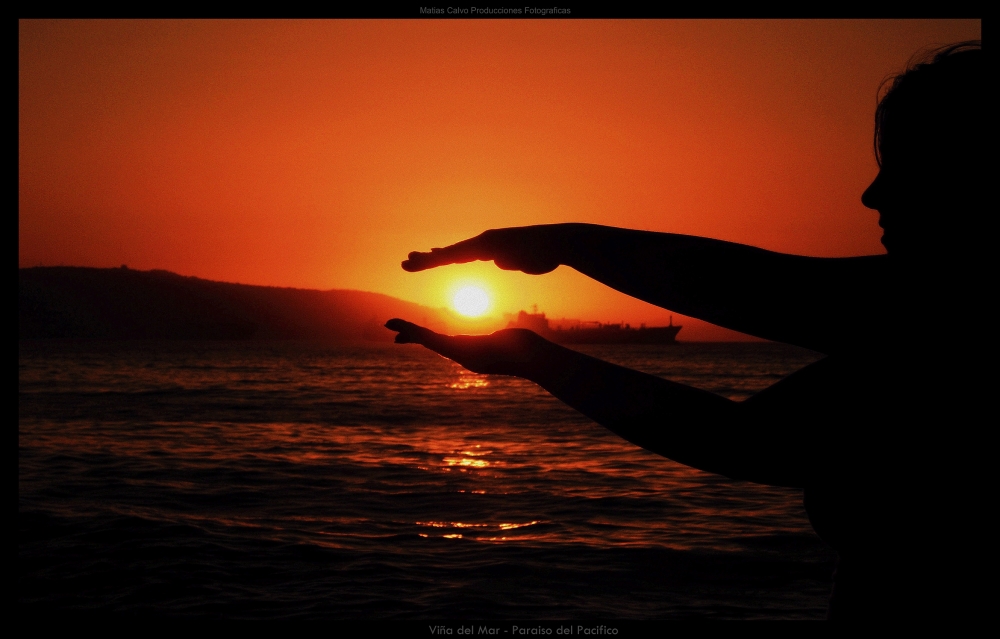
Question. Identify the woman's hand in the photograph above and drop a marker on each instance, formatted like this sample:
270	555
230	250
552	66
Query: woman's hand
512	351
532	249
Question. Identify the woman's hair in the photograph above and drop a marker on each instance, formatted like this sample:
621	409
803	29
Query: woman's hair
936	105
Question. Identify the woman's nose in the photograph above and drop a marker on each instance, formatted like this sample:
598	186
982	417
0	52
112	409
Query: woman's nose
873	194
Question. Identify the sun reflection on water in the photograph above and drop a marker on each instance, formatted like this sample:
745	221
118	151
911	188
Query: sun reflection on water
468	379
484	534
465	461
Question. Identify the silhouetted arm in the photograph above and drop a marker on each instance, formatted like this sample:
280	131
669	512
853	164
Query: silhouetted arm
691	426
788	298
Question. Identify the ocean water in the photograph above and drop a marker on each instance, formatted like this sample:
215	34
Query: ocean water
289	480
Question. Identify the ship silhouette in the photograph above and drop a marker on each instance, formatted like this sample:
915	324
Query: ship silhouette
579	332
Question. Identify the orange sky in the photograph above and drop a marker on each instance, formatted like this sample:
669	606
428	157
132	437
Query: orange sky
318	153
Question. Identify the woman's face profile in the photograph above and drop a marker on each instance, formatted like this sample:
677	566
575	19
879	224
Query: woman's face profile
929	135
890	193
917	191
910	191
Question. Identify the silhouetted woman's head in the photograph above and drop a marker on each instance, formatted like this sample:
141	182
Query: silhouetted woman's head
929	134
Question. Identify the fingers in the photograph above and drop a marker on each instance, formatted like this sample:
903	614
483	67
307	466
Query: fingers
454	348
410	333
466	251
506	352
524	249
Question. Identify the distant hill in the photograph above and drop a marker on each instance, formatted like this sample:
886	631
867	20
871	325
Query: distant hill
120	303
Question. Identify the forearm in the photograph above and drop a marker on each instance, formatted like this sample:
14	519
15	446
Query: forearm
689	425
742	440
788	298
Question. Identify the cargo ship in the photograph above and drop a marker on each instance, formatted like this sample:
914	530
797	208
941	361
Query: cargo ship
577	332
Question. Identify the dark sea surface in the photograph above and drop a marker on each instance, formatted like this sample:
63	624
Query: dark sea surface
288	480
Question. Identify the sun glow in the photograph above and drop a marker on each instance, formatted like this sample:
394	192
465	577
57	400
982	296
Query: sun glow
471	301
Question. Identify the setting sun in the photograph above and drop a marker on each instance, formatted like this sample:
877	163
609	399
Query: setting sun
471	301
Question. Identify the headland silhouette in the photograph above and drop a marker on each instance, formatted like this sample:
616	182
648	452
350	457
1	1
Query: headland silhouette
122	303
